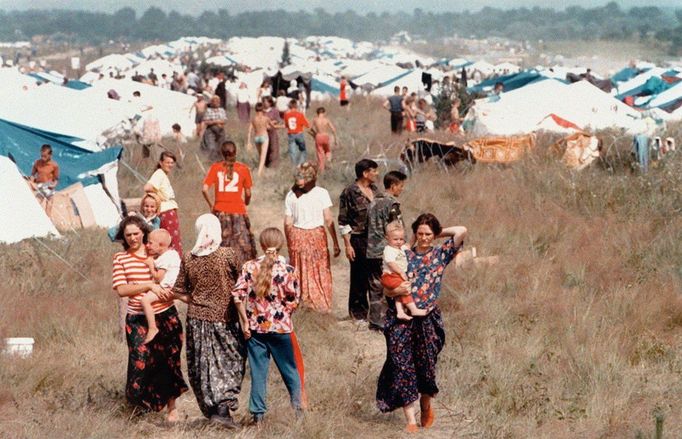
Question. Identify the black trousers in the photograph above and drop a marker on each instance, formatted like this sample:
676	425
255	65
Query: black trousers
397	122
358	305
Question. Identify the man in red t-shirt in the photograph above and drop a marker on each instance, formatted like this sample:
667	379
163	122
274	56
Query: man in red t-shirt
296	122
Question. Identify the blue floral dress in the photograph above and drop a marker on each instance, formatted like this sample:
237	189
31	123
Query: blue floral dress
412	347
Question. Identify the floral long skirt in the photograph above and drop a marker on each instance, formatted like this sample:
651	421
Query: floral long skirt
309	254
236	234
170	222
216	361
154	375
412	349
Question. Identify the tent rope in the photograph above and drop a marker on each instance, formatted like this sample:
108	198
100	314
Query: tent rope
61	258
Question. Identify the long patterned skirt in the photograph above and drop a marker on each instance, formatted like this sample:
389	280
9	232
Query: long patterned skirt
236	229
154	375
412	349
170	222
216	360
309	254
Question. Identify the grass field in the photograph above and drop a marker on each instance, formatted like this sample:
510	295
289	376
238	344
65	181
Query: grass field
577	332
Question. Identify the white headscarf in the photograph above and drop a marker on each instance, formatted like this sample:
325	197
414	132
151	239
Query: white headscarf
209	235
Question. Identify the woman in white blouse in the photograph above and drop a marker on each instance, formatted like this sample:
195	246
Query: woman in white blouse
307	210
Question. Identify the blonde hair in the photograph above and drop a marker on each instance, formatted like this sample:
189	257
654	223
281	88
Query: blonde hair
272	240
154	197
394	226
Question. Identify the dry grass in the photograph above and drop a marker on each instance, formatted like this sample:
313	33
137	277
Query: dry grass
575	333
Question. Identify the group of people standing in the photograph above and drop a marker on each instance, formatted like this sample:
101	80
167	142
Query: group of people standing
409	112
240	305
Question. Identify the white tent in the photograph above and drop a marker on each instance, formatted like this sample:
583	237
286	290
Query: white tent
114	61
169	107
526	109
638	80
412	80
160	67
667	97
21	216
77	113
379	75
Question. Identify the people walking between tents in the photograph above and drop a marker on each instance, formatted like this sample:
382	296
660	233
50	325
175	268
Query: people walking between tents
353	206
343	93
394	105
216	357
270	110
323	129
214	128
258	133
266	295
231	182
307	211
160	184
45	178
296	122
409	372
243	103
154	378
384	209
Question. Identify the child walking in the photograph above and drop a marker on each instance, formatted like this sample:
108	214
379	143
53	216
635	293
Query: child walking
164	263
395	268
266	294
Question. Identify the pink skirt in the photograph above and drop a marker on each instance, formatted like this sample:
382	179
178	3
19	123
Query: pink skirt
308	253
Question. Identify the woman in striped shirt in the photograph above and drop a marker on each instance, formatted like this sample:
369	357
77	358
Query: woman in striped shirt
154	378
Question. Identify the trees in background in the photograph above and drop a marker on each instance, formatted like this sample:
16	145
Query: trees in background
576	23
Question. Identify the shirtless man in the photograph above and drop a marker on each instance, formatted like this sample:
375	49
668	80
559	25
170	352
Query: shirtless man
321	128
199	110
260	123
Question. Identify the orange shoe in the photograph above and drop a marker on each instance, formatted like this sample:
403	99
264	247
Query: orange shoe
411	428
427	417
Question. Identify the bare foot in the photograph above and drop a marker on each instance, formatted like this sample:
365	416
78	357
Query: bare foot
419	312
172	416
151	333
402	316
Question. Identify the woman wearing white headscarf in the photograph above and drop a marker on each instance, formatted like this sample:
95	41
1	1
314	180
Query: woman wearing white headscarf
216	353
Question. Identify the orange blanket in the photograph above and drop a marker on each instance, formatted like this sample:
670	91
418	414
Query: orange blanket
500	149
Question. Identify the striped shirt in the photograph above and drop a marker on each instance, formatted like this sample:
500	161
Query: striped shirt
131	269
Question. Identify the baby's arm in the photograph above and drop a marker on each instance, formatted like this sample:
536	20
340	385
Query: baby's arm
157	275
396	269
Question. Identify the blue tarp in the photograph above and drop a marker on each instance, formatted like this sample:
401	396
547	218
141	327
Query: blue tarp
392	80
625	75
651	87
510	82
76	84
22	144
317	85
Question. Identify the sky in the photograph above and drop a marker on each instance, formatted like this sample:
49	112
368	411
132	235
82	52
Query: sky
195	7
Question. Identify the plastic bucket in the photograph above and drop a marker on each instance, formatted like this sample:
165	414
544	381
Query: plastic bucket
19	346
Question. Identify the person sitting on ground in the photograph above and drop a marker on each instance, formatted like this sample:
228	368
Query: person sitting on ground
45	177
266	295
260	124
322	126
395	270
177	133
164	265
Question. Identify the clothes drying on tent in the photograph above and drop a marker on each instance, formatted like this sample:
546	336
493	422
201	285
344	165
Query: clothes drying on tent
640	148
71	209
423	149
579	150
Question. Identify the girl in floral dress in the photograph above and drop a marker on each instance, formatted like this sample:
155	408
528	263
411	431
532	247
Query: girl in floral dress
266	295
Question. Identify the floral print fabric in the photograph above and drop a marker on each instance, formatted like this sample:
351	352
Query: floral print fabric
271	313
216	361
154	375
425	271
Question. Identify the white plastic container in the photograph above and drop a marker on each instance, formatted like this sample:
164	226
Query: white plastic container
20	346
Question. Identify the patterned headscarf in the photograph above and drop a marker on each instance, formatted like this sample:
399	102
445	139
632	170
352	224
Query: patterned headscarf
209	235
308	173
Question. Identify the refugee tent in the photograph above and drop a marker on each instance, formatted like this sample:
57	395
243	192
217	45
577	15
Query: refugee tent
96	171
412	79
382	74
114	61
91	118
168	106
160	67
21	216
12	79
510	82
626	88
667	98
625	74
652	87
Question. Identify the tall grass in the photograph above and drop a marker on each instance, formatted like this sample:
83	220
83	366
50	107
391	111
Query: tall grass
574	333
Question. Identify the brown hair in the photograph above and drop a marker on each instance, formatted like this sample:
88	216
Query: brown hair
272	240
427	219
163	156
134	220
229	152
